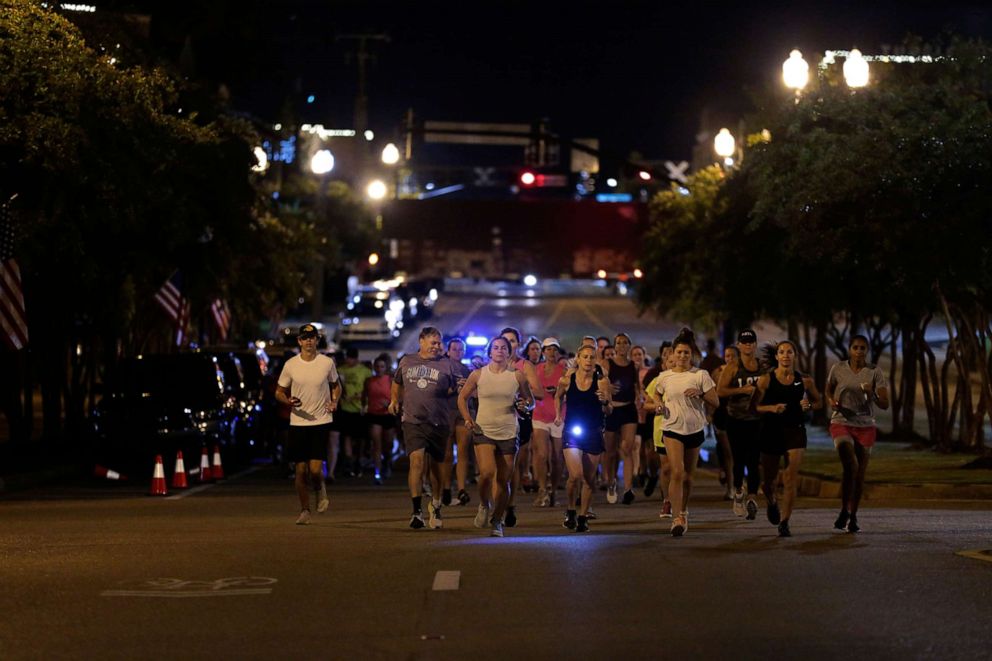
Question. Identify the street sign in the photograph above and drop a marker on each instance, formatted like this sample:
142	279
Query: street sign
484	176
677	172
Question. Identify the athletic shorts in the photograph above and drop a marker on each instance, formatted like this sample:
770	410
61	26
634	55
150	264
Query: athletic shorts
427	437
550	427
525	430
720	418
351	424
589	441
506	447
779	440
645	430
385	421
308	442
690	441
865	436
620	416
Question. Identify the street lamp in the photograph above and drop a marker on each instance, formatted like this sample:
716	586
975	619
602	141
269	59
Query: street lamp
390	154
795	72
377	189
725	146
855	69
322	162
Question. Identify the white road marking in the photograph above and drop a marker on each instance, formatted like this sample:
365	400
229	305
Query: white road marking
204	487
468	316
977	554
554	316
447	580
593	318
180	595
172	588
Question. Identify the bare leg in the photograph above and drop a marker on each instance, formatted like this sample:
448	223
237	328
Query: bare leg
504	464
461	469
790	478
609	458
415	478
557	466
627	454
486	461
859	481
589	462
540	442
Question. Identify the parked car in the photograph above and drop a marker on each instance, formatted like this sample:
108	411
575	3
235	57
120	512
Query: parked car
244	371
372	316
160	404
419	296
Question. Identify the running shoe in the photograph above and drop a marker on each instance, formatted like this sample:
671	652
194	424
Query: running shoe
582	525
322	505
481	516
666	510
685	520
304	518
544	500
773	514
569	520
752	509
552	498
651	485
446	497
463	497
842	518
678	526
728	494
739	502
434	515
417	521
783	529
590	514
510	518
611	493
853	526
628	497
497	530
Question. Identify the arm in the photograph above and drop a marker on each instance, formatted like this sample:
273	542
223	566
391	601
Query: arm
395	397
816	400
723	387
762	389
710	398
335	396
463	396
283	397
532	380
525	392
559	394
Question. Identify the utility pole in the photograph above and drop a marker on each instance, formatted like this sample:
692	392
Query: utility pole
362	56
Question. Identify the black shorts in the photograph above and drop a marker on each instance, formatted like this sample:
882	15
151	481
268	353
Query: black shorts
308	442
525	430
620	416
351	424
690	441
589	441
427	437
646	431
384	421
720	419
779	440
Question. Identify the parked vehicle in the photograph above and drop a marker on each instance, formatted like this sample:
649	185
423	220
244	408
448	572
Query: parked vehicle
372	316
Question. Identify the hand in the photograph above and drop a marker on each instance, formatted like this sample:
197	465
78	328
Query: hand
749	389
330	405
868	389
295	402
460	382
693	392
804	403
394	407
557	422
521	405
469	423
614	388
779	408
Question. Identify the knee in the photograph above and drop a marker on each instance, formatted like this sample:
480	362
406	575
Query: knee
487	474
678	473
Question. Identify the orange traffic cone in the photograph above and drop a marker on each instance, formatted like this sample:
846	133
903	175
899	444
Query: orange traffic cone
205	475
217	471
104	472
158	479
179	475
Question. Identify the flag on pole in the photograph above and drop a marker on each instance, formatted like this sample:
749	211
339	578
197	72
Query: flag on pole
13	320
222	317
170	297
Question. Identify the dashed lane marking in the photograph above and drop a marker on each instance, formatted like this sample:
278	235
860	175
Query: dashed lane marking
977	554
468	315
177	588
446	580
593	317
204	487
554	316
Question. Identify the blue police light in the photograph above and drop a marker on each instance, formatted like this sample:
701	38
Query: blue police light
476	341
576	431
311	98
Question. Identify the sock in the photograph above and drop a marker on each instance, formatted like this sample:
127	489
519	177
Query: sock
416	504
436	503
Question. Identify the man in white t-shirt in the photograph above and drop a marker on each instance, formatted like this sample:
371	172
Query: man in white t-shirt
309	384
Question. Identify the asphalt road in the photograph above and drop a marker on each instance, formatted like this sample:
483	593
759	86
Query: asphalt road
99	570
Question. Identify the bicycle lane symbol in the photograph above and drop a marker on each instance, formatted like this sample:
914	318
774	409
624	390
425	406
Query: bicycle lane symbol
172	588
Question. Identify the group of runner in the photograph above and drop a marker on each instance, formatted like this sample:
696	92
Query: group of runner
532	409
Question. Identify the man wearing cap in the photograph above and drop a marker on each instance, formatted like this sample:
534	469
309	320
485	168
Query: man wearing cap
547	435
738	383
425	382
309	384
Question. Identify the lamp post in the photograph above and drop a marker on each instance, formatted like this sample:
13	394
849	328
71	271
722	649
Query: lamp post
321	164
855	69
725	146
795	73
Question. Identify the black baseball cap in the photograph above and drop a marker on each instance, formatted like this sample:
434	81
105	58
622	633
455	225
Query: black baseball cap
308	330
747	336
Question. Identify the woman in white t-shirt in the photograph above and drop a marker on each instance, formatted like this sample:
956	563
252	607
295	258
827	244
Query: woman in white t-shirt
684	391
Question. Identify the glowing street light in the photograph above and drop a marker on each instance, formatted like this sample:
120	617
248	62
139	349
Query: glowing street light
724	144
377	189
390	154
795	71
262	160
373	259
322	162
856	70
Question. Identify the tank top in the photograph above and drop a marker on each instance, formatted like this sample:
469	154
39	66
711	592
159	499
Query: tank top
584	407
741	407
791	395
497	415
623	376
544	411
519	365
379	394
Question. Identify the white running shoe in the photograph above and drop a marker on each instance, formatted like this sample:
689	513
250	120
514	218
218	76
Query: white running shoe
481	516
739	502
497	529
679	525
434	515
611	493
304	518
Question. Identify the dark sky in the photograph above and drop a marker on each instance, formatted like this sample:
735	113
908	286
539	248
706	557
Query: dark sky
634	74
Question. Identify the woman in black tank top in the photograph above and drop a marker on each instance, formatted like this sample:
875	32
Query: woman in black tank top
621	424
784	397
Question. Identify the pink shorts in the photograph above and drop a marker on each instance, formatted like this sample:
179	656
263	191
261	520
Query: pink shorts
865	436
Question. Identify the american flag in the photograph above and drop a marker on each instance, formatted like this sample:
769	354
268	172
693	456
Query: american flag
222	317
170	297
13	320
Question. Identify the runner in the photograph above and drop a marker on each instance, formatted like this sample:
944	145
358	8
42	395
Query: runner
588	401
382	424
621	424
783	399
460	436
424	382
738	384
852	387
512	336
547	441
684	391
351	420
309	383
496	427
724	454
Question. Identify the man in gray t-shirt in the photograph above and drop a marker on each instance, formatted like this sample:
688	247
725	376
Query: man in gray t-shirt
425	382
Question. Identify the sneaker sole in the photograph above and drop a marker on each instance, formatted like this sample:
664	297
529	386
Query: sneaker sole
677	531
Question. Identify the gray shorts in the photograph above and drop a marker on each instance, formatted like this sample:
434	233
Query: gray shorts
427	437
508	446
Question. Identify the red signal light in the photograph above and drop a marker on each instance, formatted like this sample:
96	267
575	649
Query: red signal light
528	178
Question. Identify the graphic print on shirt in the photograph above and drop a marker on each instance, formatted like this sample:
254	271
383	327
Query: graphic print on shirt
422	376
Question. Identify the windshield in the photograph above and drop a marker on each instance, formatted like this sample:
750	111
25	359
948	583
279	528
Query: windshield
192	380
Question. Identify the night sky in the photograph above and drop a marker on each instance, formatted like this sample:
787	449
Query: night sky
634	74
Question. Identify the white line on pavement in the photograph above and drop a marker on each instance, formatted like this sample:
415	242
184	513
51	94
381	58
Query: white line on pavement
183	595
446	580
204	487
458	328
554	316
593	318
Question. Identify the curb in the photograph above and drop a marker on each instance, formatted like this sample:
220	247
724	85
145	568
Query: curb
813	486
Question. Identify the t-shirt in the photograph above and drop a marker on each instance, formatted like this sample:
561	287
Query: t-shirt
309	381
658	422
686	415
379	393
544	409
354	381
428	384
855	409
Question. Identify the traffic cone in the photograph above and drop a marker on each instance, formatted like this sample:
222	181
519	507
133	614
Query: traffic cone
217	471
104	472
179	475
158	479
205	475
